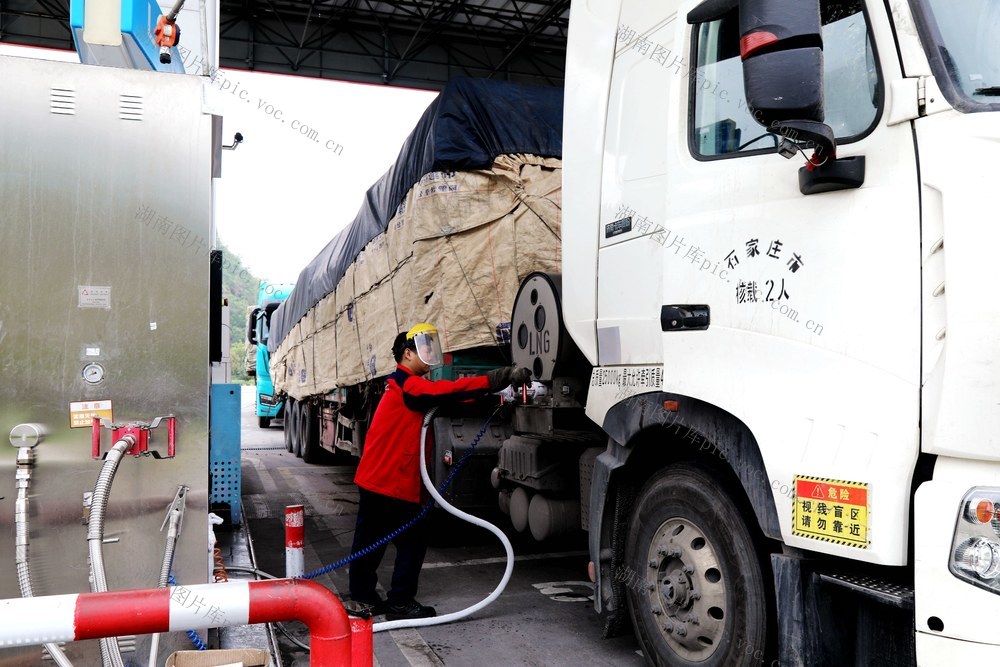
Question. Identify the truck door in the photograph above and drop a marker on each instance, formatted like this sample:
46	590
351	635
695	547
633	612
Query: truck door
813	300
815	310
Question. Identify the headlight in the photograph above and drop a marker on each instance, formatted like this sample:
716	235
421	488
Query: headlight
975	555
267	399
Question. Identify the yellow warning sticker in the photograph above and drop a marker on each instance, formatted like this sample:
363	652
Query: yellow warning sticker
82	413
831	510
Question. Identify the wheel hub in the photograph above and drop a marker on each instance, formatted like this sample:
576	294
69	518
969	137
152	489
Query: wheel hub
686	592
676	590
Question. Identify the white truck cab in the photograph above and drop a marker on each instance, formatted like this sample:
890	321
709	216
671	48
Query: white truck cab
796	360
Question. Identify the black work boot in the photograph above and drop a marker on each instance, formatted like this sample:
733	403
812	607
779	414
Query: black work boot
375	606
407	610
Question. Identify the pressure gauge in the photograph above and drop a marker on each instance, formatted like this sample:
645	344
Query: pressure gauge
93	373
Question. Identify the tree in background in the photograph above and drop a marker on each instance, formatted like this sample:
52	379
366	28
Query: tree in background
237	353
239	288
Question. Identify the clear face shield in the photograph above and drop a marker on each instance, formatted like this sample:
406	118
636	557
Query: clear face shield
428	348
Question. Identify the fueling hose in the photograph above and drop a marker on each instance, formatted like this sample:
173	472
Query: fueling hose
25	462
465	516
110	652
436	495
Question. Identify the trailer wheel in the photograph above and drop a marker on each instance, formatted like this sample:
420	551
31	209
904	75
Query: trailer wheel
287	423
301	411
696	589
264	422
294	416
311	451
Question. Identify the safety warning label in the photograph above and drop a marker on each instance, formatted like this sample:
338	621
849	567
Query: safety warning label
93	296
82	413
831	510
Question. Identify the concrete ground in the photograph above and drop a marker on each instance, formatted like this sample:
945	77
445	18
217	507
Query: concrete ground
544	617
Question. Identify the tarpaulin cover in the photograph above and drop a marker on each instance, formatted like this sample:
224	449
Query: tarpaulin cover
454	255
466	127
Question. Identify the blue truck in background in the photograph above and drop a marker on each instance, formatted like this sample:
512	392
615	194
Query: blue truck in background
269	297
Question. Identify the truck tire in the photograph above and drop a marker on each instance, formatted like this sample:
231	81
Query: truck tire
311	451
287	424
295	416
300	430
264	422
696	588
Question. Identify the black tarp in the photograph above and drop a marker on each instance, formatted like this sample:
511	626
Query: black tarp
466	127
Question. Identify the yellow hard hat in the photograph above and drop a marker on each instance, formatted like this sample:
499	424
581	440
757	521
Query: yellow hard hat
422	328
426	343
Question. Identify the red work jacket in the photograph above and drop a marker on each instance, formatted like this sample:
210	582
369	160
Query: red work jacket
390	463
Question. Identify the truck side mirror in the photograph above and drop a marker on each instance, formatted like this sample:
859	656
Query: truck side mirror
252	326
781	44
265	316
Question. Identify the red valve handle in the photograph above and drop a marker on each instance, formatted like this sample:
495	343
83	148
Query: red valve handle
95	438
171	435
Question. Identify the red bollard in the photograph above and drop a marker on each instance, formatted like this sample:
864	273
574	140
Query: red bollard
295	535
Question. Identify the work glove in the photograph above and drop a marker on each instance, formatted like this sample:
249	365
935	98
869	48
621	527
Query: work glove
499	378
520	376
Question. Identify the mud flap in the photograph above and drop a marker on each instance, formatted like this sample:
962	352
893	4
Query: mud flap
615	614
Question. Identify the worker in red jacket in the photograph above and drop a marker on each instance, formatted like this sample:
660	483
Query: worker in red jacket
388	476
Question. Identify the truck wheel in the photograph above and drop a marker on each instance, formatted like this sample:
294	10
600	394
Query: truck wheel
696	590
294	417
287	424
311	451
264	422
301	419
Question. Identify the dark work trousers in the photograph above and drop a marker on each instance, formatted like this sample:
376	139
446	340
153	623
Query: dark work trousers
379	516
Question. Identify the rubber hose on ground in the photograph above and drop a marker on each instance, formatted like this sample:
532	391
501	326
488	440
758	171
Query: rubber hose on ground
454	616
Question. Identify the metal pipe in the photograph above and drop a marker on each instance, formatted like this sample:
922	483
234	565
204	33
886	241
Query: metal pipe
53	618
175	10
173	521
110	652
25	462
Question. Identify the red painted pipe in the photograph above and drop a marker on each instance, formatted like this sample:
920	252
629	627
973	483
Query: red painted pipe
27	621
311	603
136	612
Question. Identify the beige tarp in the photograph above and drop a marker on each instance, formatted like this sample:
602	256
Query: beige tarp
453	255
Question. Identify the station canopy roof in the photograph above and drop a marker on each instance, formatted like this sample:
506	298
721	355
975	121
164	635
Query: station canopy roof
410	43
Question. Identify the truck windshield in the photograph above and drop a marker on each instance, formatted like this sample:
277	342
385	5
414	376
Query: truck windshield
963	44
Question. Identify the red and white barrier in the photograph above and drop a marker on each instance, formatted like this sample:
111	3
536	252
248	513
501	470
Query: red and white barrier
58	618
295	538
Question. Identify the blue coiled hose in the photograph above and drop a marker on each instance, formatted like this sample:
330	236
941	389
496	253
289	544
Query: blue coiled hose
192	635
